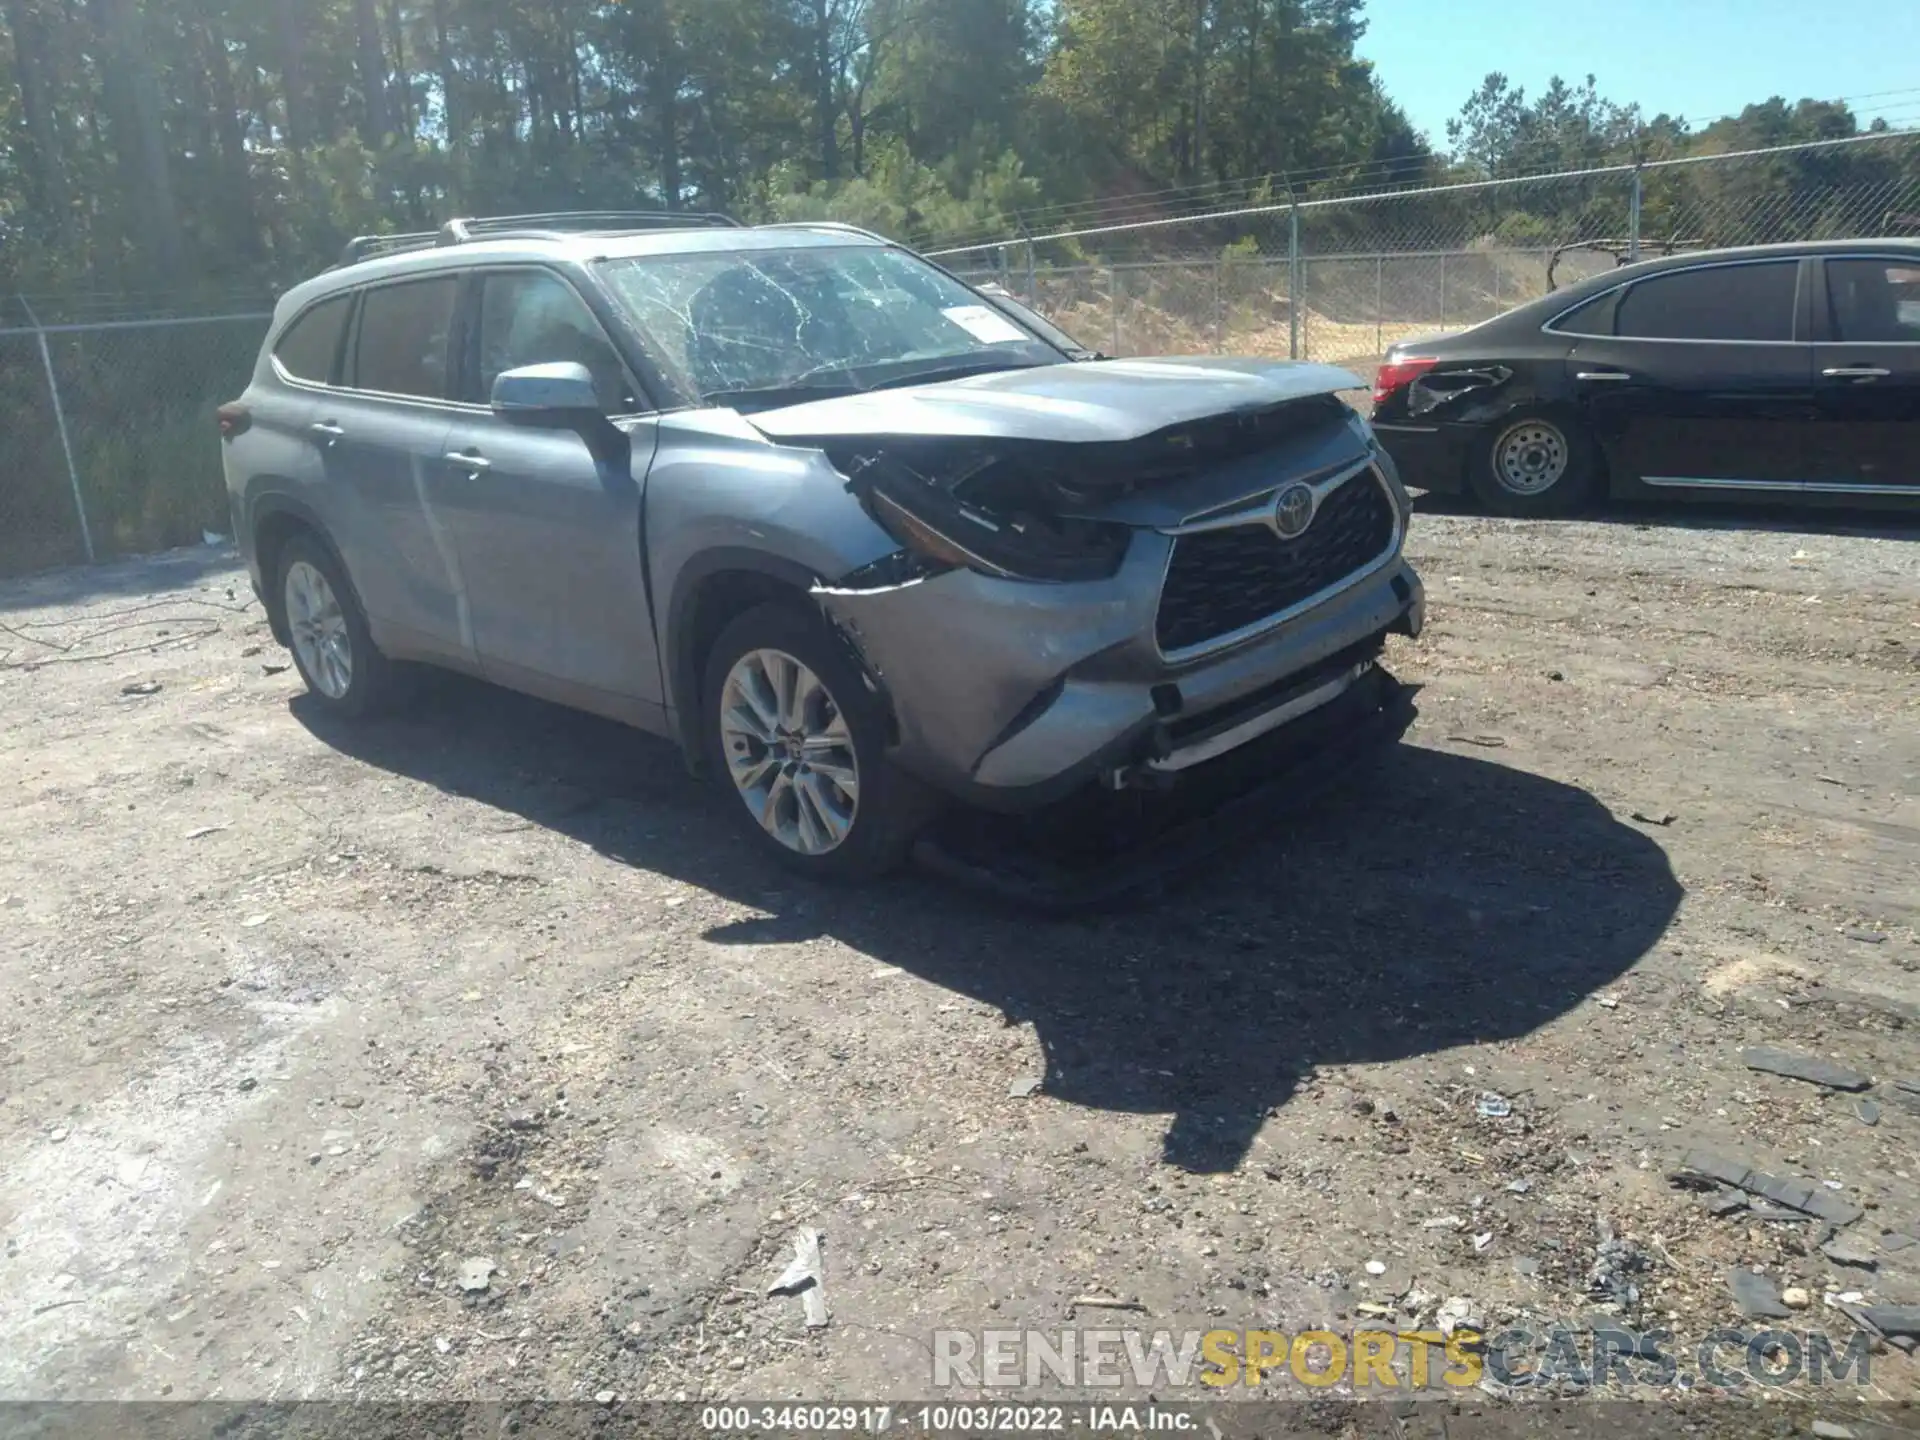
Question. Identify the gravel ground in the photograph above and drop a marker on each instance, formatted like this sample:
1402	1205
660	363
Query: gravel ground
296	1022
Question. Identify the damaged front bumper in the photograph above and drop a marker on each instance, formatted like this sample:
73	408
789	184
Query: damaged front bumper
1011	695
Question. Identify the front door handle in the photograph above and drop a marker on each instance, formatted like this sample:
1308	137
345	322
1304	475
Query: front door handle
1601	375
326	430
1856	372
468	460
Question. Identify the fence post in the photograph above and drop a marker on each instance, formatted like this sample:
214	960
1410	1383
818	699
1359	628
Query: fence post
1443	292
60	422
1633	218
1031	286
1119	295
1219	303
1294	286
1379	300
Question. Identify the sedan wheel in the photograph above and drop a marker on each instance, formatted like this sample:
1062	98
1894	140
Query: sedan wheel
318	627
789	751
1531	458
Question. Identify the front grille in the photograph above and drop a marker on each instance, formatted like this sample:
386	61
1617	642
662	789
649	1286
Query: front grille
1220	581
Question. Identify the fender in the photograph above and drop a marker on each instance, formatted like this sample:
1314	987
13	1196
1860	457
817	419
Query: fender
676	635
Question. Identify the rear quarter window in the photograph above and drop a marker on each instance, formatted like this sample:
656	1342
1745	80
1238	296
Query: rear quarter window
309	346
1595	317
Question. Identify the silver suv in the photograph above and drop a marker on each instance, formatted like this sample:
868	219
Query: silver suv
862	539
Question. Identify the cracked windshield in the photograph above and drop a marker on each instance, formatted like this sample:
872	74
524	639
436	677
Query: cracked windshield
761	326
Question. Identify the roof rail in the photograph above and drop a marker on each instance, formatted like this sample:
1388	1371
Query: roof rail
838	225
364	247
553	223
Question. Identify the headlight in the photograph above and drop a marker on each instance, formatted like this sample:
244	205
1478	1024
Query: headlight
962	509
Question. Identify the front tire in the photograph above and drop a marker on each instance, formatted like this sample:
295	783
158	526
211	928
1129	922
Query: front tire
797	742
1535	464
332	647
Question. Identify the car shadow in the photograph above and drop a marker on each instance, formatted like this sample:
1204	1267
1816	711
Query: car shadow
1718	515
1437	900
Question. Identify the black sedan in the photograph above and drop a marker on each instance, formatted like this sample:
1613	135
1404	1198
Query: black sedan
1776	371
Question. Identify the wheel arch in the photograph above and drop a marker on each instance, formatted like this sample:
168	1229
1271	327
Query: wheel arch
711	590
275	520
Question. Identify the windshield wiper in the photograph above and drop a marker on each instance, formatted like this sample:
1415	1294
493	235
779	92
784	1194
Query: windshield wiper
953	370
820	381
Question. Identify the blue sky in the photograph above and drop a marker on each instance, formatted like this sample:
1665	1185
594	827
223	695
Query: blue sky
1697	58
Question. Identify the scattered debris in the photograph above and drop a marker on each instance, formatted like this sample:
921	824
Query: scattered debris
1867	1111
1493	1106
1023	1086
1442	1222
603	1397
1520	1186
1482	1240
1810	1068
1457	1312
201	832
248	1083
1653	816
141	687
1755	1295
1795	1297
1865	937
1891	1320
275	667
1828	1430
806	1277
1106	1302
1725	1202
57	1135
1485	742
1704	1170
253	920
1844	1251
1615	1262
476	1273
1555	675
1376	1267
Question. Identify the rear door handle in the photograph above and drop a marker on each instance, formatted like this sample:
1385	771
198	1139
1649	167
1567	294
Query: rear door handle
468	461
1601	375
1856	372
326	429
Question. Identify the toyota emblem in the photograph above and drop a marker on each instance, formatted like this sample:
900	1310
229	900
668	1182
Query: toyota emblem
1293	511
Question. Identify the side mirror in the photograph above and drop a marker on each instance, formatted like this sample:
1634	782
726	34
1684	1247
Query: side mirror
560	393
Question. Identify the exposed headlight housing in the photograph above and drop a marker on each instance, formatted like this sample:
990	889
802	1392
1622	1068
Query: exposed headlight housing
964	506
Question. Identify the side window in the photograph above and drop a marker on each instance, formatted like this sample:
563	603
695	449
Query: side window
308	346
1593	318
533	317
1720	302
1874	301
400	345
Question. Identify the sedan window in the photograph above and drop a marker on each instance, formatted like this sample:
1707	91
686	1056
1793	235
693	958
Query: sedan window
1715	302
1874	301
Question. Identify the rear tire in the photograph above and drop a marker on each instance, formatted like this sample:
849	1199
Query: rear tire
1535	464
332	648
797	743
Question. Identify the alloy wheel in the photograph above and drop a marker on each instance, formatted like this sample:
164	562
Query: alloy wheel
789	751
319	630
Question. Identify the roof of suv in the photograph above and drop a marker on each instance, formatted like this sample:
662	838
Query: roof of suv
585	246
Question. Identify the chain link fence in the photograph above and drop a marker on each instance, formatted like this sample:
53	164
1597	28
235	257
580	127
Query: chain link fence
108	439
107	432
1342	278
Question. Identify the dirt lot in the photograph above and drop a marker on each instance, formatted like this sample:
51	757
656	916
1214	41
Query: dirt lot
296	1021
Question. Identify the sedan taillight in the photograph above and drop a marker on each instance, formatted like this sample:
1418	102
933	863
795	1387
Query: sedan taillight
1397	375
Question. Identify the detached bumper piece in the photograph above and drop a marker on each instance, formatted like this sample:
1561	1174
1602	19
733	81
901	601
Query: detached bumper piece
1103	847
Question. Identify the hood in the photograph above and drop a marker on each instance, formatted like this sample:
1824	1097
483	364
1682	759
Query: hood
1091	400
